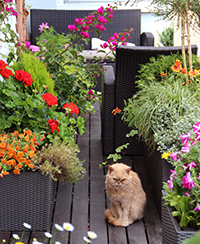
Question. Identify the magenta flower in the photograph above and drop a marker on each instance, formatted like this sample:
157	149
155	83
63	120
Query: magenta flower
28	44
8	1
199	177
85	34
186	137
174	156
173	173
187	194
66	45
187	181
110	16
43	27
90	92
71	27
102	19
34	48
196	128
100	10
192	165
185	148
197	208
170	184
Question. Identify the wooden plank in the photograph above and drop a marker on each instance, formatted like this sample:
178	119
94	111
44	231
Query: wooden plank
80	198
97	193
39	236
5	236
151	218
62	208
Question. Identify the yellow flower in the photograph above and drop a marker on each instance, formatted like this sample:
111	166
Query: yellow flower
165	155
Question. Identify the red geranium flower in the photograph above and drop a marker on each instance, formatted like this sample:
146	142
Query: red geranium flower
73	108
6	73
53	124
50	99
24	76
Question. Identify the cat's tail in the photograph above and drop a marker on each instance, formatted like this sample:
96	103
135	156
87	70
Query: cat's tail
109	216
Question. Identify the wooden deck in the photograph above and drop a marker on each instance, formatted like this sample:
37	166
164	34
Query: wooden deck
83	203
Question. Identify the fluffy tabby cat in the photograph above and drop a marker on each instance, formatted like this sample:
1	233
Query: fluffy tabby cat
127	198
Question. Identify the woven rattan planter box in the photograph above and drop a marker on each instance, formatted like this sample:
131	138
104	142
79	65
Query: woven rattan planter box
171	231
28	197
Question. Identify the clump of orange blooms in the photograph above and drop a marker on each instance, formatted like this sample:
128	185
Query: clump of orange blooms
17	150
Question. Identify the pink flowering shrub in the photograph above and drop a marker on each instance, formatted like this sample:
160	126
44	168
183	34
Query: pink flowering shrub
183	187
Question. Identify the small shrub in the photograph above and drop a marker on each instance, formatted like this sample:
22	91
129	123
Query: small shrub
166	37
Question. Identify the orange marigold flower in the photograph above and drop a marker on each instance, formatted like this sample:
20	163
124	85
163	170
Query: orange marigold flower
19	166
16	171
1	154
163	74
14	163
116	110
42	138
177	66
30	166
2	145
31	154
17	148
20	154
5	173
10	155
26	148
4	161
29	132
26	138
28	161
9	162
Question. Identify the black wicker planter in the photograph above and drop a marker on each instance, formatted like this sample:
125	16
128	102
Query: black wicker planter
28	197
171	231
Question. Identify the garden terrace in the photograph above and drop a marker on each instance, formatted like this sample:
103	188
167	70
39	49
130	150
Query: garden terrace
84	202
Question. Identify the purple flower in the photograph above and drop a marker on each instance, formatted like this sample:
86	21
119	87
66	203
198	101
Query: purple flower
34	48
185	148
174	156
187	181
43	27
186	137
199	177
197	208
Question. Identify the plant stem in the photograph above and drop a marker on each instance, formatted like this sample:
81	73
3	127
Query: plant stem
183	46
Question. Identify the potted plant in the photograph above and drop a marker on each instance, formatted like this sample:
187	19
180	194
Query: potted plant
181	192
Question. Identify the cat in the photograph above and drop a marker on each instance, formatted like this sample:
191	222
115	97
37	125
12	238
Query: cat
127	197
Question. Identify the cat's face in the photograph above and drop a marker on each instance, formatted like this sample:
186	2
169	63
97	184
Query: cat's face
118	176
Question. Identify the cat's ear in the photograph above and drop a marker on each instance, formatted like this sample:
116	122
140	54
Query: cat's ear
128	170
110	169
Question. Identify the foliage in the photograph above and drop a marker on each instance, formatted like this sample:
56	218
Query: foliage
7	8
160	65
157	107
183	187
166	37
60	161
38	71
193	240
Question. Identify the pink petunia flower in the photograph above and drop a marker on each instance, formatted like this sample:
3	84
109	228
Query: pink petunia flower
185	148
174	156
187	181
34	48
197	208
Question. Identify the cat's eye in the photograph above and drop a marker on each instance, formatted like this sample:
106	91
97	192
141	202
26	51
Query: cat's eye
115	179
123	180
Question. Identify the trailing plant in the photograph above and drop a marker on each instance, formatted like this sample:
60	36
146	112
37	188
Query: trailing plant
166	37
182	189
60	161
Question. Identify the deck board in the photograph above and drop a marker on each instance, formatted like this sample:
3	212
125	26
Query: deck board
84	202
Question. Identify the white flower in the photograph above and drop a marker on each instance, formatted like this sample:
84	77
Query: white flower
92	235
57	242
67	226
86	240
48	235
58	227
15	236
27	226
